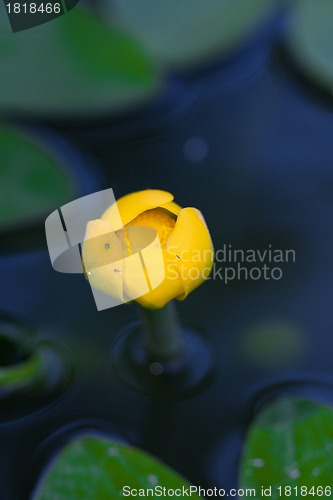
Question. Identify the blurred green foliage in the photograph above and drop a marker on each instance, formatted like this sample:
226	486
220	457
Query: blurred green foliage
185	32
273	344
92	467
310	39
31	181
75	64
289	444
111	57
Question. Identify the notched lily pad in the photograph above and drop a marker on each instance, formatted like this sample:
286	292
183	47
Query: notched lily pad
99	468
290	444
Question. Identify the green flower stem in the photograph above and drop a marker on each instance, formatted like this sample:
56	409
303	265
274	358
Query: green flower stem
162	333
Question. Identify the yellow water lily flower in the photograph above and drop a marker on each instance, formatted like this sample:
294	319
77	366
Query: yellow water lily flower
147	248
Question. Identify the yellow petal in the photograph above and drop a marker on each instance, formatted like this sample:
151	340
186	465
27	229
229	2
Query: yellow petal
172	207
101	245
190	248
144	268
103	257
170	288
133	204
109	280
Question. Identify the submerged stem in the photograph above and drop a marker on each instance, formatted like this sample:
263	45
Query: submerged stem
162	333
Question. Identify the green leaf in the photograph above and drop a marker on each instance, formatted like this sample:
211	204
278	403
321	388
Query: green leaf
75	64
182	32
91	467
31	182
310	39
289	444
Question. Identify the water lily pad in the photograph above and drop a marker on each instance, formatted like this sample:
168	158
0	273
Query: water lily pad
99	468
310	40
31	181
181	32
290	444
74	65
